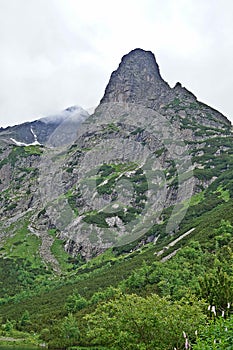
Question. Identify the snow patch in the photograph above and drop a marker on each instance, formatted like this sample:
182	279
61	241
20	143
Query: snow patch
65	124
35	138
35	143
18	143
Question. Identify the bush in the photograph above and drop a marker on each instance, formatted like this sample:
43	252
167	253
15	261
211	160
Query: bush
131	322
75	302
217	335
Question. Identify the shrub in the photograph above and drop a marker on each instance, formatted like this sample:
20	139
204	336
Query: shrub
131	322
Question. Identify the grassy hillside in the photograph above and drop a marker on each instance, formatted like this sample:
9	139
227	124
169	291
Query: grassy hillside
198	266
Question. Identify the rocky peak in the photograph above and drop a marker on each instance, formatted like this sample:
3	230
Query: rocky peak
53	130
143	63
181	91
136	80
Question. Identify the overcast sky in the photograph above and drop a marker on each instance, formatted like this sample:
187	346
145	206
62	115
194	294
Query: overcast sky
59	53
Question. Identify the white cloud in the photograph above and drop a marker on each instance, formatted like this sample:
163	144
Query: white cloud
56	53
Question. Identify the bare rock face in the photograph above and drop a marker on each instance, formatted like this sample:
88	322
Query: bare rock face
137	80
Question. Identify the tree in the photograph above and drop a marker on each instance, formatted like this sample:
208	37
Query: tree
132	322
8	327
217	288
25	319
70	333
75	302
224	234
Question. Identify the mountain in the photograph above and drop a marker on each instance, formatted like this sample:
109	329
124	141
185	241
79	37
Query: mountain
147	147
43	131
138	80
116	228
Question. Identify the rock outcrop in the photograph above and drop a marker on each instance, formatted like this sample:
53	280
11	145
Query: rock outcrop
138	80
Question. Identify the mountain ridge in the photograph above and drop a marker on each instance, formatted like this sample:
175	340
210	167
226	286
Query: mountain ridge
113	145
43	129
138	80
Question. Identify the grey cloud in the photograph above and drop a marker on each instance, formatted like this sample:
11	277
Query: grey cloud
52	58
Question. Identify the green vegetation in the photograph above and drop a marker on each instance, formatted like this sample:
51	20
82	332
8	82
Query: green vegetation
20	152
218	335
33	150
108	177
143	295
59	252
67	305
97	218
111	128
174	104
22	244
138	130
134	322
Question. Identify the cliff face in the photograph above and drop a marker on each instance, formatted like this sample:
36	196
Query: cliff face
147	148
138	80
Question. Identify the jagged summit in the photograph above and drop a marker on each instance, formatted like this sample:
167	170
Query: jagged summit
145	62
136	78
179	89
